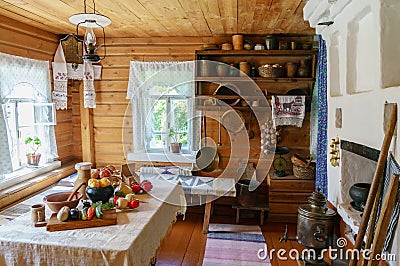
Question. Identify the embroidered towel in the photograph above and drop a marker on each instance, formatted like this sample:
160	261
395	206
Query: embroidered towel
75	71
288	110
89	100
60	77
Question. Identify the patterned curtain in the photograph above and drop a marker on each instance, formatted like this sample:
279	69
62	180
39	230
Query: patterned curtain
321	171
16	70
5	157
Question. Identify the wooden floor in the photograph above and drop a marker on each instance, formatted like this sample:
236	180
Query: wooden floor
186	243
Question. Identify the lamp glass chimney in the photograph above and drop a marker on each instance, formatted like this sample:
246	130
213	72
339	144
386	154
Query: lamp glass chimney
90	39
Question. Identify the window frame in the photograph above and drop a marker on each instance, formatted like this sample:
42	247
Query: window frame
17	133
168	122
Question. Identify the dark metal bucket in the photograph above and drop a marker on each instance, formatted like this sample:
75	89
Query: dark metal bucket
245	197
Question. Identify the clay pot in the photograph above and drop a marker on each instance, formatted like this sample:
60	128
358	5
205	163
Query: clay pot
222	70
176	147
244	68
304	70
291	69
33	159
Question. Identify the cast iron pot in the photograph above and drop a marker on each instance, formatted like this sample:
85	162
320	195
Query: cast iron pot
359	193
102	194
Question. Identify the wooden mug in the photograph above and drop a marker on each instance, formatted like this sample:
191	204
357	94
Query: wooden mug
37	213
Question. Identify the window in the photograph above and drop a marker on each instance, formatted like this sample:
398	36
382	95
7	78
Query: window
25	111
24	114
162	98
170	111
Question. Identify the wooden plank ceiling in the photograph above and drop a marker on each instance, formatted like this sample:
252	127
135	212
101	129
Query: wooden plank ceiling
167	18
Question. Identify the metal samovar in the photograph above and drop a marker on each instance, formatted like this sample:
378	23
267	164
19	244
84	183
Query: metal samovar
314	229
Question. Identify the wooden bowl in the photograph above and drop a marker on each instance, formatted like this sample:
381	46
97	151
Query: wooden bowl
58	200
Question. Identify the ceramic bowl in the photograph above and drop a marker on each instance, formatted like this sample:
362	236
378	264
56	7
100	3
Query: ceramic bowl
102	194
58	200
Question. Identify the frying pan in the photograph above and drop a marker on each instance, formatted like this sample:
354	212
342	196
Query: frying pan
207	158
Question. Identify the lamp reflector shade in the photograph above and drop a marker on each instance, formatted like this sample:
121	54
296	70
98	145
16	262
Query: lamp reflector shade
90	20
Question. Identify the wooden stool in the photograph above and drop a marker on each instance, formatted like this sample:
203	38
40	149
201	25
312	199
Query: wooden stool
260	207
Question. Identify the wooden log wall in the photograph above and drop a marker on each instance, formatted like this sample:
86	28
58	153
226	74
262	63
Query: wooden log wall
108	116
23	40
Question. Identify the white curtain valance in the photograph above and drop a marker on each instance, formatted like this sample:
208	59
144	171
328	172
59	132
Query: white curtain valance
145	75
144	78
16	69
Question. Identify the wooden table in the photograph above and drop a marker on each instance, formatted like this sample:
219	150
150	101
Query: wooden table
133	241
209	188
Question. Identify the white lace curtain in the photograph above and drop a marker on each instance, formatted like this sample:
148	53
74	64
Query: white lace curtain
143	77
16	70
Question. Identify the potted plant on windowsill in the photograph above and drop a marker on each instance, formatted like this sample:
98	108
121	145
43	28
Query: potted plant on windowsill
176	139
33	157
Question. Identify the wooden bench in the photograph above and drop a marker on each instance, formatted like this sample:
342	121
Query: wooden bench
259	207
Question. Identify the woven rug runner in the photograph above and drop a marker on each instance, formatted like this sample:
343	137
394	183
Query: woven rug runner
231	244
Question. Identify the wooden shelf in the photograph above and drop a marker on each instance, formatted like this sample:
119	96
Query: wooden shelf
251	79
231	97
240	108
256	52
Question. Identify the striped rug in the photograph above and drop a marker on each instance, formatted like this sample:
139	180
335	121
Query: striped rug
230	244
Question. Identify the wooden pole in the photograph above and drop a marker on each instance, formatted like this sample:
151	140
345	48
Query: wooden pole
86	129
375	181
384	219
370	234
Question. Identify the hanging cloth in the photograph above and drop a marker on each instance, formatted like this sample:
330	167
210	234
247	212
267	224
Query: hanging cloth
76	71
288	110
5	157
321	180
89	99
60	77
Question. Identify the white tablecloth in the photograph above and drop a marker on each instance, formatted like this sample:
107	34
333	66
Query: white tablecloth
196	185
133	241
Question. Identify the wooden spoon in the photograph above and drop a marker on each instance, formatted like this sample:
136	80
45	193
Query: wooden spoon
74	191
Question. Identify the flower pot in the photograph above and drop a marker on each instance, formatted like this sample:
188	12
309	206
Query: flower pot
176	147
33	159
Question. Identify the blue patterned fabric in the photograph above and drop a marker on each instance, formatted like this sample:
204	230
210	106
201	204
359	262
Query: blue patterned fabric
314	120
321	170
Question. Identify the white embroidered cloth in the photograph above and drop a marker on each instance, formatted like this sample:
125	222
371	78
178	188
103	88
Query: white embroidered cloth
89	97
75	71
133	241
60	77
288	110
